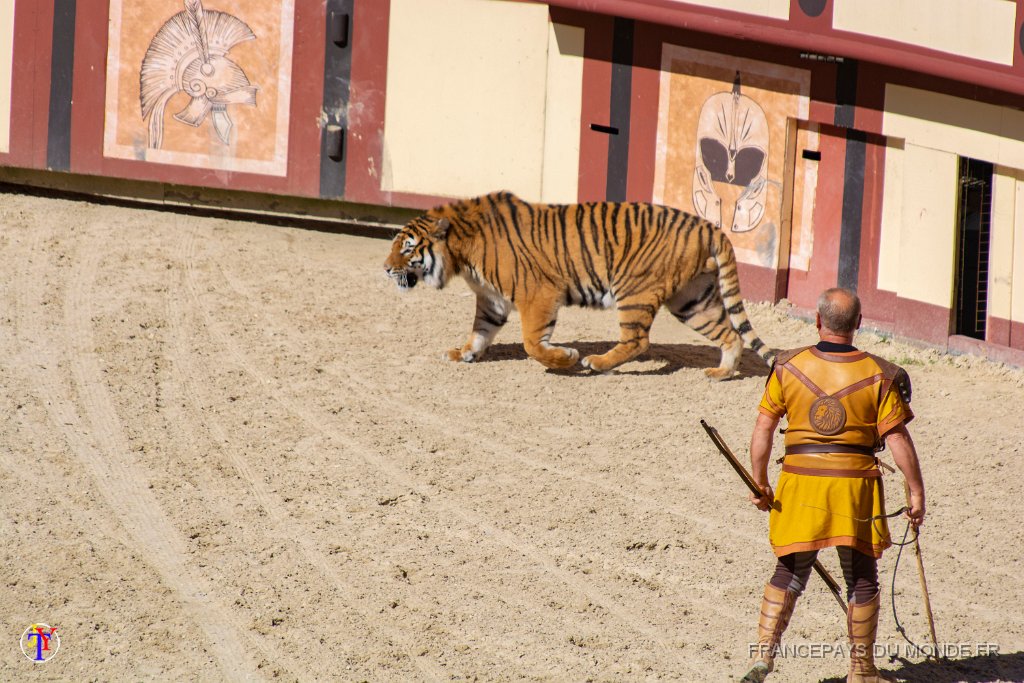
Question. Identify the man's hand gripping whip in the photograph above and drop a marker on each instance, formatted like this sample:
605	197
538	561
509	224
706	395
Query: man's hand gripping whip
749	481
924	587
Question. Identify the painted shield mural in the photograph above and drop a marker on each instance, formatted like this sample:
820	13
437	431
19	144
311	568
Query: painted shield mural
196	84
722	134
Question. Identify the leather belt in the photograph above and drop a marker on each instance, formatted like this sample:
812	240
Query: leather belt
821	472
803	448
844	454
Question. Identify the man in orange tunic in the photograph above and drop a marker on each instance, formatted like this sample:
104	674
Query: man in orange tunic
842	405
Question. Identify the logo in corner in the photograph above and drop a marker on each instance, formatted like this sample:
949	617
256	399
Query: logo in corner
40	642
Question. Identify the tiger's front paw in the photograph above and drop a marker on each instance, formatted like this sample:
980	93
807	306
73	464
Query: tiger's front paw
464	355
558	357
718	374
597	364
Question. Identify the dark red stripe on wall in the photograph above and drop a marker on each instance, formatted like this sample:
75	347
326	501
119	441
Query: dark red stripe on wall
643	119
1006	333
26	94
368	88
805	285
62	68
337	74
918	320
620	105
596	106
878	305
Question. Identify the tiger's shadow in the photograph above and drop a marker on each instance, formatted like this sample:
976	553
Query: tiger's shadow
986	668
673	357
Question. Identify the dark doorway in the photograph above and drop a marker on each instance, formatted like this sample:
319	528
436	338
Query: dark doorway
974	221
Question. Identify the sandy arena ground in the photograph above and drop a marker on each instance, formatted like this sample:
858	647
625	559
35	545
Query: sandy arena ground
232	451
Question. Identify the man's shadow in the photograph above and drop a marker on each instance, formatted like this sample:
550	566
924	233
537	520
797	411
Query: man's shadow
671	357
977	669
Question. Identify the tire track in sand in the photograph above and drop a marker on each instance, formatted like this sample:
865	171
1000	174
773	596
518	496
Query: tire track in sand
185	254
186	367
454	429
94	434
492	534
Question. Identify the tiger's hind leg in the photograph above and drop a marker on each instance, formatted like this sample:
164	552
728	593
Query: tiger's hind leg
491	315
636	315
539	316
699	306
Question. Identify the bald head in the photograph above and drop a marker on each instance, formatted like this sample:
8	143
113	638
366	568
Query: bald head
839	311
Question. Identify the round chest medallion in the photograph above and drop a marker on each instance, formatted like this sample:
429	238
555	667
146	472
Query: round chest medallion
828	416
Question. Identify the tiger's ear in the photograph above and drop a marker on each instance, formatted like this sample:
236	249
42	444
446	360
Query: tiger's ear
441	228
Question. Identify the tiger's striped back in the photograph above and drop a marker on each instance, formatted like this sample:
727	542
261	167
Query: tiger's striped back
634	256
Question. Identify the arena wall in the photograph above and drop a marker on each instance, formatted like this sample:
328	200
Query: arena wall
856	118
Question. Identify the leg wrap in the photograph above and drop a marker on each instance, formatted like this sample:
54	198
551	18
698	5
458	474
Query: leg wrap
776	610
862	625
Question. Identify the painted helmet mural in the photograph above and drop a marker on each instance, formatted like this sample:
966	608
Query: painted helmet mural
732	147
189	54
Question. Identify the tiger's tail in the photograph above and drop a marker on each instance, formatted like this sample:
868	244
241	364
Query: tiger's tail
729	290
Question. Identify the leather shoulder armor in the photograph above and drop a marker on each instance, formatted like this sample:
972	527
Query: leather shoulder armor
894	374
782	357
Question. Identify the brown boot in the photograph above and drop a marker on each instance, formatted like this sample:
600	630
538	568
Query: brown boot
862	624
776	610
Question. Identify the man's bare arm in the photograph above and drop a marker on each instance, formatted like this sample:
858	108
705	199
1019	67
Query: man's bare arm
760	453
901	445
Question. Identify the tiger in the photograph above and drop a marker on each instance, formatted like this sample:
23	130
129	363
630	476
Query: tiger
538	258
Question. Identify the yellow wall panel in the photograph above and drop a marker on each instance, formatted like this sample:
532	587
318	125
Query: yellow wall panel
953	124
892	218
1017	296
980	29
1004	209
563	112
466	97
928	235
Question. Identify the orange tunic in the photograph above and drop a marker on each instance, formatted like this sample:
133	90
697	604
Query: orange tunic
839	405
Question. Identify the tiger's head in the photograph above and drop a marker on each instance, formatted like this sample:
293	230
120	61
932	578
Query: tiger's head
419	252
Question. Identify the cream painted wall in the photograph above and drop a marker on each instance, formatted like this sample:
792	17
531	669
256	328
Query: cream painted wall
1004	210
6	66
928	234
953	124
938	128
465	97
1017	296
892	218
563	113
980	29
776	9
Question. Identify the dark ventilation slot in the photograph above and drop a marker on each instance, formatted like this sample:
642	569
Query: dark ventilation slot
337	27
974	233
610	130
811	155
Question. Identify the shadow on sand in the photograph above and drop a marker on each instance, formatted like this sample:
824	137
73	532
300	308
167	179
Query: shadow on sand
978	669
672	357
